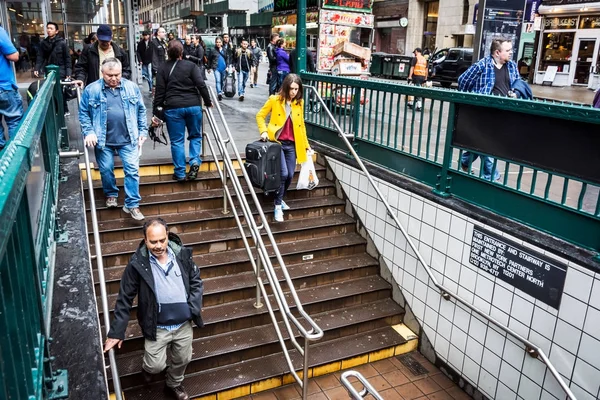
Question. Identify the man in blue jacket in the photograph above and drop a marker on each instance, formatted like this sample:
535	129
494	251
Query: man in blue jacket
113	118
494	74
163	276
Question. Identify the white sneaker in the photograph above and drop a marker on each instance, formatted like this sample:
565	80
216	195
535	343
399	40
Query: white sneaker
284	206
278	214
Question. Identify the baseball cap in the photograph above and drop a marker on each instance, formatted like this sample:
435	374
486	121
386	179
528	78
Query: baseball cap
104	33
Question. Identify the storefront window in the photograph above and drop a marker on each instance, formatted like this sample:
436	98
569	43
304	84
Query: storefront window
557	50
591	22
430	25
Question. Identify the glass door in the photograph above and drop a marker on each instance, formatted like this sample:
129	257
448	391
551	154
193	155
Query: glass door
585	61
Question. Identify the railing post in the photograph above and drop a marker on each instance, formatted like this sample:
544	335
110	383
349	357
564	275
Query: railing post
225	210
443	185
258	303
305	371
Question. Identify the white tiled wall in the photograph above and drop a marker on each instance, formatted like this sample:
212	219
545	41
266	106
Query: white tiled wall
485	356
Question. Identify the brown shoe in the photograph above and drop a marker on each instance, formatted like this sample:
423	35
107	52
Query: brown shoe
177	392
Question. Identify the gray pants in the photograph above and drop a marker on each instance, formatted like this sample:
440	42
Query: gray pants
180	344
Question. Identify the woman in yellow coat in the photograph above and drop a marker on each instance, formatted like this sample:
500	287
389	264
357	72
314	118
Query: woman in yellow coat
286	126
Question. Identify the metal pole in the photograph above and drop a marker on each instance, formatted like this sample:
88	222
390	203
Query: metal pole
225	210
305	371
301	36
258	304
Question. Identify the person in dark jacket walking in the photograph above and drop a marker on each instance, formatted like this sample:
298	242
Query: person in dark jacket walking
159	50
256	55
229	50
87	70
179	86
310	61
54	50
144	57
164	277
272	79
244	59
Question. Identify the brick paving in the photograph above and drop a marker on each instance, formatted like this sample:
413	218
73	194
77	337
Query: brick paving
392	379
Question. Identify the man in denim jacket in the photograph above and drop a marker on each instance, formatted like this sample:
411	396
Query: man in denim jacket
113	118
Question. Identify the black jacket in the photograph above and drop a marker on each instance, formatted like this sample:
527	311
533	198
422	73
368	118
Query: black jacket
310	61
229	54
87	68
159	54
183	88
244	60
144	52
54	51
213	59
272	56
137	280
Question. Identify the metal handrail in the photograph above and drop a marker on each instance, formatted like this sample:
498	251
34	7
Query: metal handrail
99	262
531	349
367	387
314	332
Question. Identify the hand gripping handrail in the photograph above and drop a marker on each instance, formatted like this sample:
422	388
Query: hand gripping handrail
99	261
263	258
531	349
367	387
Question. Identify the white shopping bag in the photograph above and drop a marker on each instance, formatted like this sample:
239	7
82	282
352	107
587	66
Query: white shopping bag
308	176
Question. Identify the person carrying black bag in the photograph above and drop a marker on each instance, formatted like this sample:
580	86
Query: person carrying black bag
272	78
179	89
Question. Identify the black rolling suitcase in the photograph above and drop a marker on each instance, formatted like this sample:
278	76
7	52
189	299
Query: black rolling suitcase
229	85
263	164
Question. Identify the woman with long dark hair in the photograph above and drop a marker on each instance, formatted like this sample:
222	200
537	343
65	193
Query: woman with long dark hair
180	89
286	126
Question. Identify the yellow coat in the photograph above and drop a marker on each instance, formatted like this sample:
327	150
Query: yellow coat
275	106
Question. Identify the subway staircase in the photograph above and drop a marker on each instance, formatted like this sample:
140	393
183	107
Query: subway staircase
237	352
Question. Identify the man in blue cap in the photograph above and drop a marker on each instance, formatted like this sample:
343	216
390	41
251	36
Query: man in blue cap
87	69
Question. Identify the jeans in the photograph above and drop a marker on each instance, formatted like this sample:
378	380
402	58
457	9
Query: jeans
288	168
179	344
273	82
242	79
11	107
177	120
147	74
281	76
488	164
219	80
129	154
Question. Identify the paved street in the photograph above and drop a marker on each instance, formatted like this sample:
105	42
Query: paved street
391	124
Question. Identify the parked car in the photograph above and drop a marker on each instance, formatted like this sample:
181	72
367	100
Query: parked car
446	65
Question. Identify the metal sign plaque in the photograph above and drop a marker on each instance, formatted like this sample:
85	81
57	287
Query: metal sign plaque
521	267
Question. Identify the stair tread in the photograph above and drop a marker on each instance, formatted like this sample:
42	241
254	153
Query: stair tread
203	348
240	255
245	308
167	178
230	376
110	225
223	234
187	195
248	279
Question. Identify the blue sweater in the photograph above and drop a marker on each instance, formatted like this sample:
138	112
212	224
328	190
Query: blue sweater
283	60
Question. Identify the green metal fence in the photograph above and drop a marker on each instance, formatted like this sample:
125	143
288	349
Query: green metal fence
29	178
388	131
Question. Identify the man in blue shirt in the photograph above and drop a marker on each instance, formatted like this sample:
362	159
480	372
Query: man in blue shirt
494	74
11	103
113	118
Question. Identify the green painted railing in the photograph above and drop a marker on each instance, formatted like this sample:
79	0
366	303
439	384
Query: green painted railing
29	178
387	131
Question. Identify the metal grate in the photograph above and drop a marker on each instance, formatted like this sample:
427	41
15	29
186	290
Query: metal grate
413	365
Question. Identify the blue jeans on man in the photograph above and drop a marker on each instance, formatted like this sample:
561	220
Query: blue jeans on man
219	75
129	155
147	75
288	168
178	119
242	79
281	76
11	107
467	159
